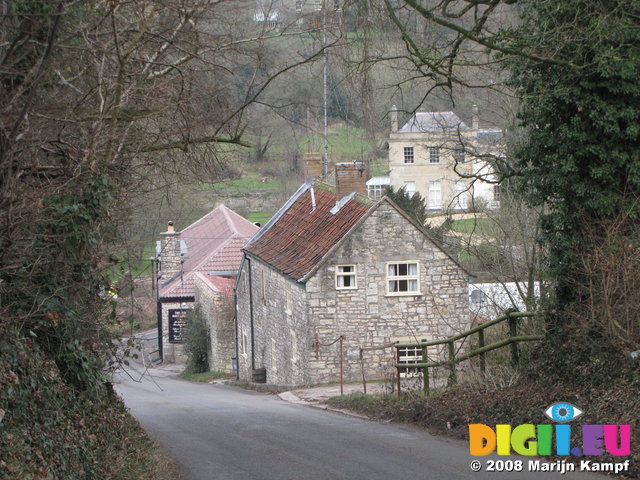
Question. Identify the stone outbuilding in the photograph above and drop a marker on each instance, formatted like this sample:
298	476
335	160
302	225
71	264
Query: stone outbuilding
331	265
198	265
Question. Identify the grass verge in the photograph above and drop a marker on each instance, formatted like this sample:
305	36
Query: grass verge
451	411
204	377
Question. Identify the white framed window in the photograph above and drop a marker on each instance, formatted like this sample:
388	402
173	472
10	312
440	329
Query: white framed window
434	154
403	278
435	195
408	356
410	188
376	192
496	193
460	195
346	277
408	155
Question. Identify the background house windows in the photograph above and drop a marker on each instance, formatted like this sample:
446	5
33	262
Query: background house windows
460	195
376	192
496	193
435	195
434	154
408	155
377	187
346	277
410	188
403	278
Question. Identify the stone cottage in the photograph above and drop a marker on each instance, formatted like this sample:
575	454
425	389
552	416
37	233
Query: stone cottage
333	263
199	265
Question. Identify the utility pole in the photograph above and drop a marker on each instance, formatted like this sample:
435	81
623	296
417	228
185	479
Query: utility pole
325	156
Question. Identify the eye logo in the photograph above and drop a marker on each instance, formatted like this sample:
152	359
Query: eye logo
563	412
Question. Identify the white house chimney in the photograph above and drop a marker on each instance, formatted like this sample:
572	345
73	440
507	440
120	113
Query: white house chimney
475	121
394	118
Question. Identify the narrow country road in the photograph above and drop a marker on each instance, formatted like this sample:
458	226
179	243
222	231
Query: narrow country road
227	433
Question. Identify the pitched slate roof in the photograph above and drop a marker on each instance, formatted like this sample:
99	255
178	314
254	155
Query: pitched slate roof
299	235
436	122
214	244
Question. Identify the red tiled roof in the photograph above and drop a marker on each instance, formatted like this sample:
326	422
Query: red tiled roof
299	238
214	243
216	283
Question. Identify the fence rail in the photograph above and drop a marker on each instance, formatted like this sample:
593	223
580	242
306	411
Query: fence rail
513	340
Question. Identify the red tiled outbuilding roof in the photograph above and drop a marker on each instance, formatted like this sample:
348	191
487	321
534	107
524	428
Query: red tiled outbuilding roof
214	244
216	283
299	235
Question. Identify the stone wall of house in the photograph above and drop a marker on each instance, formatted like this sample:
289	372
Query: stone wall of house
367	315
218	309
172	352
280	329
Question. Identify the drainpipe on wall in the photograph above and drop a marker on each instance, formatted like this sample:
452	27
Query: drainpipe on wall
155	277
253	356
235	322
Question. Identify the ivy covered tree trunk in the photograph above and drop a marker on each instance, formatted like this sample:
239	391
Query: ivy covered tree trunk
581	156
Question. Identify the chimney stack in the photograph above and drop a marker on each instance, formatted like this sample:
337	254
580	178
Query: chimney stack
350	177
475	121
394	119
312	165
170	253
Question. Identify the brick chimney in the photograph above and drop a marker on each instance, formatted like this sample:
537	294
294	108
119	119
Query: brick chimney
312	165
350	177
170	253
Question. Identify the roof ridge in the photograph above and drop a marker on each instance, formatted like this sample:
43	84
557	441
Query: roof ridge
230	222
201	219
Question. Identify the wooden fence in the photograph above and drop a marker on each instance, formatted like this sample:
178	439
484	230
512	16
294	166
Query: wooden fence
453	360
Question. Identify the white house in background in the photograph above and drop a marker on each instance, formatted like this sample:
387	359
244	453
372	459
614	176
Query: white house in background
490	300
434	151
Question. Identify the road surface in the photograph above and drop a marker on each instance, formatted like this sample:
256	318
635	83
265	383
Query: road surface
228	433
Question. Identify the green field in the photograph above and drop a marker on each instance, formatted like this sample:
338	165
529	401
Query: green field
480	226
345	144
260	217
250	181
